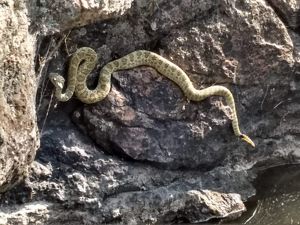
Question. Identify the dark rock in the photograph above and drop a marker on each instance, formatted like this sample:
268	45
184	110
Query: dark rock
146	118
288	12
145	154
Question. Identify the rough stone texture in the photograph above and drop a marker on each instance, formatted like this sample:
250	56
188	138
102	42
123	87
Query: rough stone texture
146	117
18	129
49	17
73	183
31	213
197	206
288	11
145	154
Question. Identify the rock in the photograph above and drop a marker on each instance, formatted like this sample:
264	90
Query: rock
146	118
18	129
84	185
288	12
167	206
145	154
37	212
49	17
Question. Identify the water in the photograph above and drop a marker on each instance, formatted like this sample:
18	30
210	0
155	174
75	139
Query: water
278	198
277	201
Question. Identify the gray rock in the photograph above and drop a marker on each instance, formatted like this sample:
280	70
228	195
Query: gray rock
288	12
73	182
18	129
49	17
167	206
147	118
145	155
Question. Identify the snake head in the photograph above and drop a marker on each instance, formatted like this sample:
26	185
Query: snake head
245	138
57	80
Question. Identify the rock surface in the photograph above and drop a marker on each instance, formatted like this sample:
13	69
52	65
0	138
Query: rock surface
146	117
78	184
288	11
18	129
145	154
49	17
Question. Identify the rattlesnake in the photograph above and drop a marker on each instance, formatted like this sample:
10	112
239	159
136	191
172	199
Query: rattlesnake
84	59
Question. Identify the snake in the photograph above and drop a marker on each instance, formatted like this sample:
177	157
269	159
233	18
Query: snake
84	60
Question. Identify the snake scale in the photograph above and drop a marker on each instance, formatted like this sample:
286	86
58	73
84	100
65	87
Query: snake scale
84	60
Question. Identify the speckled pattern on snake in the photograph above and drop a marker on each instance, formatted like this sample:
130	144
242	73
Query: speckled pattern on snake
84	60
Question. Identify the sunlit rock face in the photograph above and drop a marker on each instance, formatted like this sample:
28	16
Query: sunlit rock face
145	154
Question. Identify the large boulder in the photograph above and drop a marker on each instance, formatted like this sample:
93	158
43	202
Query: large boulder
145	154
19	137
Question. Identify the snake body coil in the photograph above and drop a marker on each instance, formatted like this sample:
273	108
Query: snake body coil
84	60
